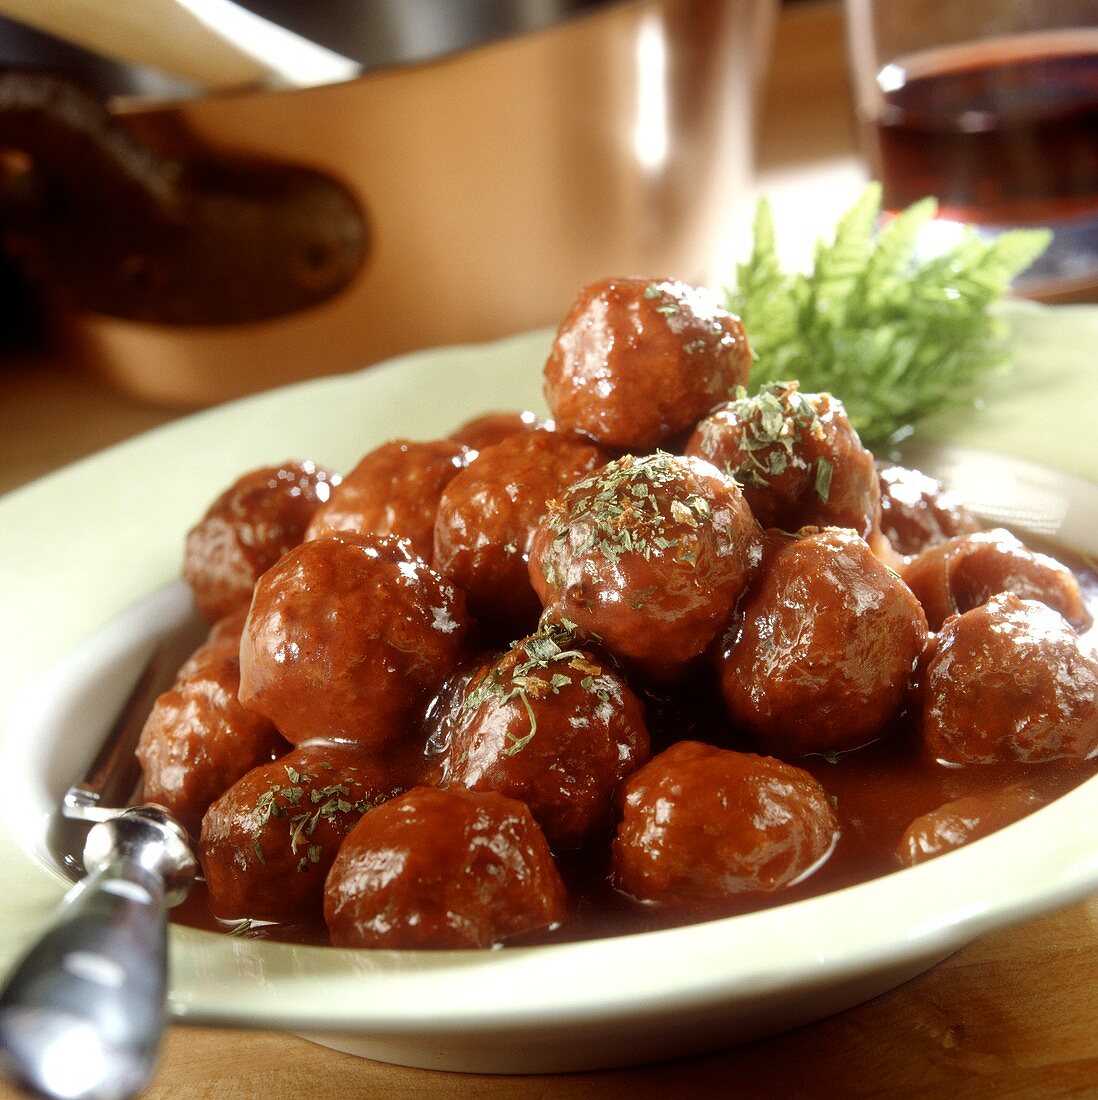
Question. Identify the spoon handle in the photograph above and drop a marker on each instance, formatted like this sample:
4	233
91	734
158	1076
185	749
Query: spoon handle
83	1013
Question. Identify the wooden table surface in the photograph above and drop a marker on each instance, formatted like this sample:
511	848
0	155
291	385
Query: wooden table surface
1012	1015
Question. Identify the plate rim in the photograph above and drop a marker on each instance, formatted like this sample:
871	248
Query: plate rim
291	965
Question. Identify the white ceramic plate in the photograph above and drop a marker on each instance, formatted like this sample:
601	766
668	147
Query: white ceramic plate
99	537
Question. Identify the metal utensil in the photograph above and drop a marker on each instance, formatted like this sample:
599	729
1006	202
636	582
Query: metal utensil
618	140
82	1014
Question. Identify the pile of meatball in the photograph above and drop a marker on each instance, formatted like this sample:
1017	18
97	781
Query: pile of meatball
431	681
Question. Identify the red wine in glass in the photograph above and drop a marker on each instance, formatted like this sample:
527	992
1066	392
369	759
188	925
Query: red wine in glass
1004	132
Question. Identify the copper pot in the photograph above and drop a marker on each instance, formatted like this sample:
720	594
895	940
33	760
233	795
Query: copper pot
493	183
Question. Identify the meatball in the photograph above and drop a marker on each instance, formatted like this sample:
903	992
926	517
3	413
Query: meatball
917	512
247	529
1010	680
649	555
703	825
199	740
553	726
394	490
826	648
346	638
268	842
491	428
800	462
442	869
962	821
967	571
221	644
442	715
637	361
487	516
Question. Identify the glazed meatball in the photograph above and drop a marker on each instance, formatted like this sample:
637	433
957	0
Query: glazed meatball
394	490
702	825
1010	680
346	638
442	869
221	644
487	515
491	428
967	571
826	647
917	512
800	462
638	361
199	740
649	555
442	715
553	726
962	821
268	842
247	529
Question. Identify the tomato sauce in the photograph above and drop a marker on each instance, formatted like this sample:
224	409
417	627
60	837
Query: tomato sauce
876	792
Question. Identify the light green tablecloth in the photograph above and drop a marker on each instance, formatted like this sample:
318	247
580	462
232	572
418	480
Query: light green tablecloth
1042	406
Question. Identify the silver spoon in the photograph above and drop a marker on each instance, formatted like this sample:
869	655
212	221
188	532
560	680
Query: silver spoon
82	1014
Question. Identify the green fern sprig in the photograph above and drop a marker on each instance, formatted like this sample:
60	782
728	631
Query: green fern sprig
894	336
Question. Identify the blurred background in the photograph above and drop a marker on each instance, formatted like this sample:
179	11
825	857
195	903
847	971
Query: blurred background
201	199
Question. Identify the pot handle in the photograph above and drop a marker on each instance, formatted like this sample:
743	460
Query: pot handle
215	44
107	224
